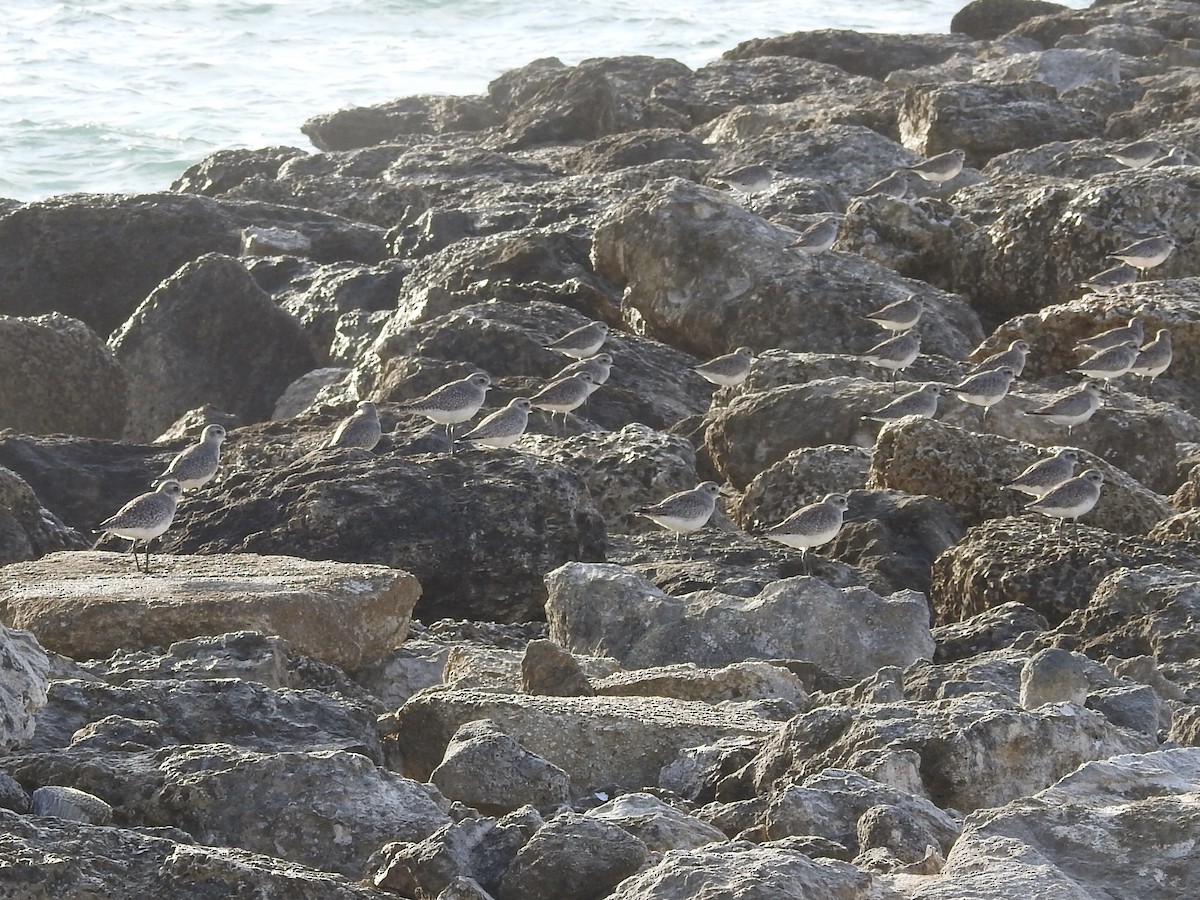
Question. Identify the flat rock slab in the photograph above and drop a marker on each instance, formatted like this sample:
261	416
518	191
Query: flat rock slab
88	605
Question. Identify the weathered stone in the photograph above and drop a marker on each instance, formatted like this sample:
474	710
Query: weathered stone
1054	676
87	605
659	826
736	683
207	334
597	741
872	55
850	632
992	629
362	126
69	803
695	773
489	770
987	19
27	529
79	388
547	668
572	856
24	678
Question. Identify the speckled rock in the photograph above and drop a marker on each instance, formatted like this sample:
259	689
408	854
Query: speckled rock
1054	676
659	826
739	682
24	679
363	126
987	19
27	529
489	770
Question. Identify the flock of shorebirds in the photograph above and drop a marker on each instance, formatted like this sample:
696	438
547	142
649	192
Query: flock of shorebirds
1056	490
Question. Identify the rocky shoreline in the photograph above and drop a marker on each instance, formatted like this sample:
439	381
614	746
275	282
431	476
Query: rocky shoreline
406	672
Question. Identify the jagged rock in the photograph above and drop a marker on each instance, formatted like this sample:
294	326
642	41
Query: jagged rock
572	856
772	495
659	826
1006	560
597	741
546	101
103	717
69	803
489	770
695	773
1097	831
414	665
243	655
637	148
24	678
703	274
915	240
79	388
985	120
60	858
1133	706
27	529
547	668
207	334
850	632
987	19
223	171
968	470
326	809
87	605
1063	69
736	683
743	871
1054	676
992	629
363	126
972	749
872	55
475	849
478	530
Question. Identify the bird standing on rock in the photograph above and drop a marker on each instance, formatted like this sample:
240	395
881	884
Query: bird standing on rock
729	370
750	179
1146	254
900	315
1071	499
1105	339
985	389
195	466
940	168
143	519
583	342
1046	474
1153	359
502	428
921	403
1014	357
812	525
895	353
1072	408
816	239
452	403
360	429
564	395
685	511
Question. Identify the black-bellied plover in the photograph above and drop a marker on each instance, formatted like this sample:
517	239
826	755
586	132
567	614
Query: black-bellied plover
1109	363
1046	474
685	511
812	525
452	403
1071	499
1138	154
143	519
360	429
922	403
816	239
895	353
894	186
1147	253
503	427
729	370
1071	408
985	389
563	395
1105	339
1014	357
1153	359
750	179
598	366
940	168
1118	276
900	315
1176	156
195	466
583	342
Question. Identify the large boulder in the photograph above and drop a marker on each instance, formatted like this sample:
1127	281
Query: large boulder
23	682
208	334
78	389
872	55
27	529
362	126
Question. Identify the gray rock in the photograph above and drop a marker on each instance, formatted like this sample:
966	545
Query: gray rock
659	826
695	773
1137	706
490	771
79	388
27	529
241	358
992	629
851	632
1063	69
24	679
1054	676
987	19
69	803
362	126
743	682
547	668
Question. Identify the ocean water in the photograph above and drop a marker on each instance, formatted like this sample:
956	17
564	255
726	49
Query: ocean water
123	95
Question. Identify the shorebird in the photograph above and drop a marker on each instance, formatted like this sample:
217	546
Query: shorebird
502	428
1071	499
452	403
922	403
195	466
900	315
816	239
1013	357
1046	474
1146	254
985	389
1109	363
143	519
894	186
812	525
583	342
564	395
1072	408
360	429
940	168
750	179
1118	276
1138	154
729	370
1153	359
895	353
686	511
1134	331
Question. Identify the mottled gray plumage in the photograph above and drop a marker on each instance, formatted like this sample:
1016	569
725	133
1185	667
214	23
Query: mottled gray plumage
749	179
503	427
900	315
143	518
452	403
922	402
685	511
1118	276
598	366
895	353
1014	357
728	370
817	238
1110	363
985	389
360	429
1072	408
195	466
1176	157
1045	474
563	395
583	342
812	525
1147	253
942	167
894	186
1137	154
1154	358
1105	339
1071	499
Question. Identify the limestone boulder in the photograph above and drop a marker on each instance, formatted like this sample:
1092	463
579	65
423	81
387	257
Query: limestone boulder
79	387
993	629
478	530
872	55
487	769
208	334
24	680
91	604
363	126
700	272
988	19
656	824
598	741
27	529
850	632
736	683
